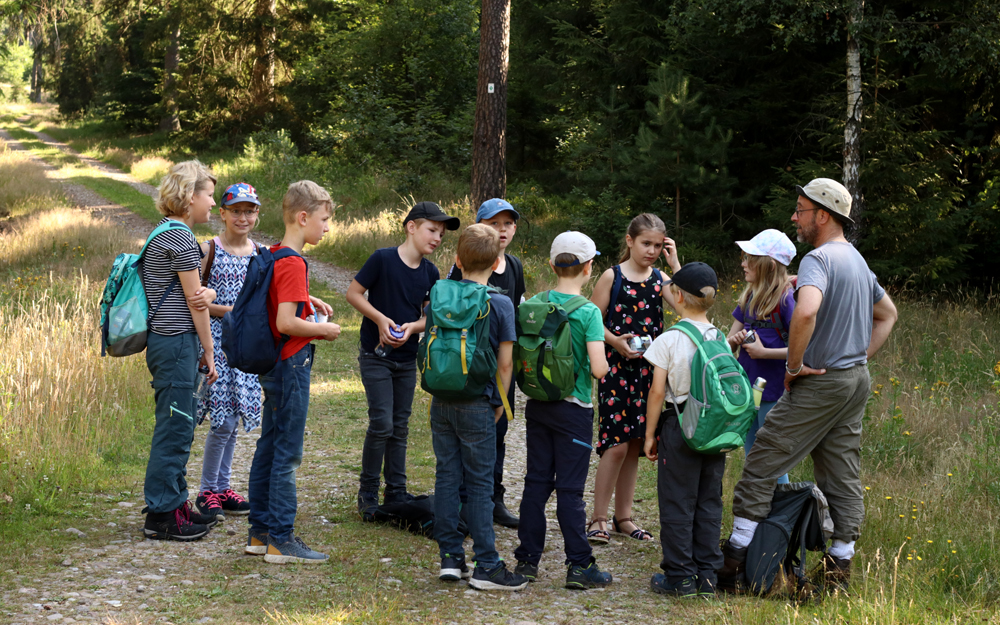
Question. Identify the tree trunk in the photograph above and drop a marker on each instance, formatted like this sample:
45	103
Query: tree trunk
262	80
489	143
36	67
852	129
170	122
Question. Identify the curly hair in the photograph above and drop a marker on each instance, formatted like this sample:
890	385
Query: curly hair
173	197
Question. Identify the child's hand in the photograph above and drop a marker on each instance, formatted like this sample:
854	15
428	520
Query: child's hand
383	333
209	361
321	306
755	350
620	343
649	448
330	331
670	254
407	329
737	339
497	413
201	298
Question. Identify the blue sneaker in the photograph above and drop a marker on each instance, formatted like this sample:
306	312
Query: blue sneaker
584	577
497	578
294	550
527	569
685	588
367	503
454	568
256	543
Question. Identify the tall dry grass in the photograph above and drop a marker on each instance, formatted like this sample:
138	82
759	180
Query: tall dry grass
23	185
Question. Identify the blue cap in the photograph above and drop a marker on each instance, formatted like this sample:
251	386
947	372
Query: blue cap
490	208
240	192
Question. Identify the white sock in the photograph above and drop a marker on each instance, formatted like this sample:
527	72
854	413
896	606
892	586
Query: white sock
841	549
743	530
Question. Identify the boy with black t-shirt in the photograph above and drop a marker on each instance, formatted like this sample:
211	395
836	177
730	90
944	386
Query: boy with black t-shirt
398	281
508	277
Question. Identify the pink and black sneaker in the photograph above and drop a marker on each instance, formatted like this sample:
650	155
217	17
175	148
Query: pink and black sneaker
233	503
210	505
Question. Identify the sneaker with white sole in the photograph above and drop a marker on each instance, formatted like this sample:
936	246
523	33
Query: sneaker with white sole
454	568
233	503
292	551
256	543
497	578
173	525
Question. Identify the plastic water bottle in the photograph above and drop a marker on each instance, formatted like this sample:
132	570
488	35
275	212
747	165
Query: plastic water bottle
384	350
758	391
201	383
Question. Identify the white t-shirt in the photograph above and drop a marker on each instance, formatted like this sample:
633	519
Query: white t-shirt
673	351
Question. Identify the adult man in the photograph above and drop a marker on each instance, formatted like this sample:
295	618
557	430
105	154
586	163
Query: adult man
842	317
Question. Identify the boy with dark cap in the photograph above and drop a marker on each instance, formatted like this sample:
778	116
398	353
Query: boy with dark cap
508	277
689	484
398	281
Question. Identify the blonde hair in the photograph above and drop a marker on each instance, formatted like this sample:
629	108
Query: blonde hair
700	302
571	271
173	197
760	298
478	248
645	222
304	195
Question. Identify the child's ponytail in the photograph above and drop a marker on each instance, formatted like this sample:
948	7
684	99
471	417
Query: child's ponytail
641	223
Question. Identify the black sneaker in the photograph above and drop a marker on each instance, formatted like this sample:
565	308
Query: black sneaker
584	577
685	588
836	574
730	576
504	517
233	503
497	578
367	502
706	587
395	497
529	570
198	518
208	504
454	568
173	525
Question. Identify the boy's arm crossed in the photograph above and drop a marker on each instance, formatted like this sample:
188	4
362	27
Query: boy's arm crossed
288	323
505	369
654	406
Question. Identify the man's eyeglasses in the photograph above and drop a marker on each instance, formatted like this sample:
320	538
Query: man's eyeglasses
244	213
804	210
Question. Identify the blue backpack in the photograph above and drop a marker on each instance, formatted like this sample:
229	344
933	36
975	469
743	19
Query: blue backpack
246	332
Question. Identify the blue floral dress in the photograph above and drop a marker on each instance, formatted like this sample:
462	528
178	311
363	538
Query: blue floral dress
235	394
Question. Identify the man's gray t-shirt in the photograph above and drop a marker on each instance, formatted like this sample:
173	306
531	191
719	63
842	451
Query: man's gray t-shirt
844	322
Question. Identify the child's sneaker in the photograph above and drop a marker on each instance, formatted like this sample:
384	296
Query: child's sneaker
256	543
233	503
685	588
454	568
292	551
497	578
836	573
196	517
208	504
395	497
173	525
367	502
583	577
706	587
529	570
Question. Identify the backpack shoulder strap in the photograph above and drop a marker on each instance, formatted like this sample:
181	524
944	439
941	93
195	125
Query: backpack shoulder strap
209	260
689	330
171	224
285	252
658	274
574	303
616	288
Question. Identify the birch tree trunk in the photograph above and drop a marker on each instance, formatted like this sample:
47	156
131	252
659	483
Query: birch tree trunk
852	129
489	143
171	121
262	80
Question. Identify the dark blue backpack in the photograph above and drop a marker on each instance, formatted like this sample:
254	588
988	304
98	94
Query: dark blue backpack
246	331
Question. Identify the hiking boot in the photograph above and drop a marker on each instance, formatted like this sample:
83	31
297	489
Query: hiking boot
454	568
209	505
173	525
836	573
583	577
706	587
497	578
395	497
504	517
367	502
685	588
233	503
196	517
730	576
529	570
256	543
294	550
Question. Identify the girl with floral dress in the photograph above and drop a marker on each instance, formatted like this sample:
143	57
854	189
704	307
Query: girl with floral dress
634	309
235	397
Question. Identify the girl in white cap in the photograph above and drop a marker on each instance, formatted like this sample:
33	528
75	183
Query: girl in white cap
760	329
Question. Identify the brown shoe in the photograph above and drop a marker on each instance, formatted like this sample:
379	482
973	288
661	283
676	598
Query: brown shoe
730	576
836	574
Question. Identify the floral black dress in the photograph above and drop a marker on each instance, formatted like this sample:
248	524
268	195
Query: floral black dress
638	310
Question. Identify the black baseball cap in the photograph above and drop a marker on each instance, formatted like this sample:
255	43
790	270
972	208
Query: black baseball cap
430	210
693	277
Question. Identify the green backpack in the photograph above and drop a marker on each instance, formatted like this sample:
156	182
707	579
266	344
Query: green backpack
543	354
124	308
454	356
720	406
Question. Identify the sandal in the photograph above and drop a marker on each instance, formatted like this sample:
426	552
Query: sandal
598	536
638	533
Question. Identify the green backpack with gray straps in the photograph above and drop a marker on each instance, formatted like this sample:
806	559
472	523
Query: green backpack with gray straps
719	408
543	354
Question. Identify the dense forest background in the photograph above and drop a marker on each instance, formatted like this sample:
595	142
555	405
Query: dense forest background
705	112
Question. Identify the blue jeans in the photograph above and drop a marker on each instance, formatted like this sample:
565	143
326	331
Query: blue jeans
273	502
464	438
173	363
217	465
756	424
389	388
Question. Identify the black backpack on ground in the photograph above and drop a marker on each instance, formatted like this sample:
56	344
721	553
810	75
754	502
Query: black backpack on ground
415	516
799	521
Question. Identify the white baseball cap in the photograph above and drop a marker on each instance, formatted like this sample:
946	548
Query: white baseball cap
770	242
829	195
576	243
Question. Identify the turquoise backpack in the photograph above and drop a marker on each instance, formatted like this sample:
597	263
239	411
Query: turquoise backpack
719	408
125	310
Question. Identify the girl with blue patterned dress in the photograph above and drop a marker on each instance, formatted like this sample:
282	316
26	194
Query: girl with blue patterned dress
635	309
235	398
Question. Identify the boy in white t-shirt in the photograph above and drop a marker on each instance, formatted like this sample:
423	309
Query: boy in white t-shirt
689	484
